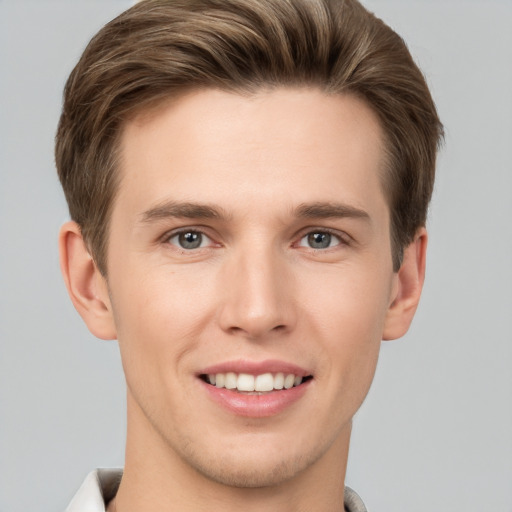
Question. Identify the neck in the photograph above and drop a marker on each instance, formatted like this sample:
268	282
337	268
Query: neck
156	478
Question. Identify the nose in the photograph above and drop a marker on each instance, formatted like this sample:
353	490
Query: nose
257	297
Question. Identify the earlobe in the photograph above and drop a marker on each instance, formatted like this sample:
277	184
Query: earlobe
86	286
407	289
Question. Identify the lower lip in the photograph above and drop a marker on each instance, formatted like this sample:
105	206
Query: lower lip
256	406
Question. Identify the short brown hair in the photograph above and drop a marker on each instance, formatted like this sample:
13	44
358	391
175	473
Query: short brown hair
159	48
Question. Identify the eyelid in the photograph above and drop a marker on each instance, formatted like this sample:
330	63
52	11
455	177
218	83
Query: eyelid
344	238
187	229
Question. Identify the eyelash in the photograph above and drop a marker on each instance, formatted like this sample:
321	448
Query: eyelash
342	238
175	234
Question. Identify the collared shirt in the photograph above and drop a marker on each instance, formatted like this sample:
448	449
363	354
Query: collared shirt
101	486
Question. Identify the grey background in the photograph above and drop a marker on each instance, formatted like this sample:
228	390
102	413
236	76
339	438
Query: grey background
436	430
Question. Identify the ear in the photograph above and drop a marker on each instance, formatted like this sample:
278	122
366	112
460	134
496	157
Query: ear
407	288
86	286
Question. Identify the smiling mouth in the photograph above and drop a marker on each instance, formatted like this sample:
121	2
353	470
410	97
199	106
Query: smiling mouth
254	384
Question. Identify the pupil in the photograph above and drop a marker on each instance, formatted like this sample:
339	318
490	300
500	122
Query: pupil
190	240
319	240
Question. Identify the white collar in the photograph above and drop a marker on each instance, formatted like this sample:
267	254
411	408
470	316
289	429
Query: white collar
99	487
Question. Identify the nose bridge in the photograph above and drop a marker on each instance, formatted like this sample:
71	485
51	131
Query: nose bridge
257	297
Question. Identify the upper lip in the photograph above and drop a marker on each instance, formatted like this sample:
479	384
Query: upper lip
256	367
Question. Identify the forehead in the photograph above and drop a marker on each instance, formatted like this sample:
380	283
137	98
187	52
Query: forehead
295	145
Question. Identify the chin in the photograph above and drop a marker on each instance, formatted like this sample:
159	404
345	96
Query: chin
253	474
257	466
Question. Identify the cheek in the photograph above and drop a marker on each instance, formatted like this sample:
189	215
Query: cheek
157	301
350	318
352	305
156	316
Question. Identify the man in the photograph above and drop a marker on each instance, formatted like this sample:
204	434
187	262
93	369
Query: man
248	183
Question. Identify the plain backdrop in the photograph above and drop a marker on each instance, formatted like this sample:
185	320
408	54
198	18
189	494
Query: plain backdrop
435	432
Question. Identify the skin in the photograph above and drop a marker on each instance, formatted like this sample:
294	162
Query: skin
255	290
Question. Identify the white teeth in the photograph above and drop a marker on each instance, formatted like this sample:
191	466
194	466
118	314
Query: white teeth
249	383
264	382
230	382
220	379
245	382
288	381
279	381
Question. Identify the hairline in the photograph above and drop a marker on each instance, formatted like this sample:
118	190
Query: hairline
148	109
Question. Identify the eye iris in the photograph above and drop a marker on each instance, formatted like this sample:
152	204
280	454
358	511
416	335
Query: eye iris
319	240
190	240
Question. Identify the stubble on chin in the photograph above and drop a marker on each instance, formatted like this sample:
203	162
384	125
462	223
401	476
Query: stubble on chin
243	471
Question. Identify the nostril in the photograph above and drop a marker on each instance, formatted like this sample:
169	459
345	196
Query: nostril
255	332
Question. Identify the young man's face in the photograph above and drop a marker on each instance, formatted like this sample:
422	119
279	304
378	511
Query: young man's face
250	235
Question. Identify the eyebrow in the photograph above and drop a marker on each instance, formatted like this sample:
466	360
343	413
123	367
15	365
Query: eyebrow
183	210
329	211
188	210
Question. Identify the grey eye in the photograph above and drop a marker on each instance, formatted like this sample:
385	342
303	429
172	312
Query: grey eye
189	240
319	240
